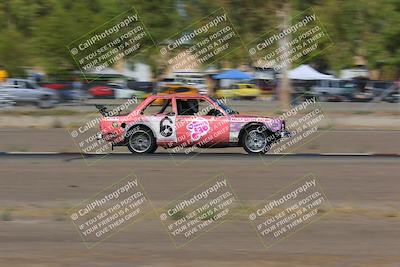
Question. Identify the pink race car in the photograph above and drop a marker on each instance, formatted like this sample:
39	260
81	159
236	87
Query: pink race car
187	121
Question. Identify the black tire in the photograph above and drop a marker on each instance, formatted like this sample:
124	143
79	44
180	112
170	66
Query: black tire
255	140
154	149
46	101
141	141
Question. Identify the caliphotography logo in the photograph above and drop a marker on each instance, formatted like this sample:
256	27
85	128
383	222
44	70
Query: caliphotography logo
199	127
111	210
199	211
290	45
199	133
122	37
303	122
202	43
289	210
97	133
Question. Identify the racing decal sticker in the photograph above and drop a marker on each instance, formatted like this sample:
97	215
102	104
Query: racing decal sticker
166	127
198	128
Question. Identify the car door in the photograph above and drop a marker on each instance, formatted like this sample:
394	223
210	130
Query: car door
30	92
17	90
161	120
200	122
6	89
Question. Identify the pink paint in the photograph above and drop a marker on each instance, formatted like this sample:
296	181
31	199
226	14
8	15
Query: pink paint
198	128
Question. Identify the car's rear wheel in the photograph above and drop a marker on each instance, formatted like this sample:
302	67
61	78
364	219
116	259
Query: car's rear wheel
46	101
141	141
255	141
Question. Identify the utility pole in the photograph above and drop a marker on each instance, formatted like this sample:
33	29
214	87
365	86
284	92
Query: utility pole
285	87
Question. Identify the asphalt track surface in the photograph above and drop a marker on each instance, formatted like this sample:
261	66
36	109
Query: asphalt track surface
332	141
182	158
361	229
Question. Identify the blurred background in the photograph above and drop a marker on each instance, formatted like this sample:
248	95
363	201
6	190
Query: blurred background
364	60
43	93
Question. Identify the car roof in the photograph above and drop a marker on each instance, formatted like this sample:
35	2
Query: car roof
169	96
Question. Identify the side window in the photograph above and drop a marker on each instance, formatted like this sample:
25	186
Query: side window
187	107
158	106
205	108
337	84
16	84
28	85
196	107
23	85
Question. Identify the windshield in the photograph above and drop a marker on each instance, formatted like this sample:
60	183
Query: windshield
227	109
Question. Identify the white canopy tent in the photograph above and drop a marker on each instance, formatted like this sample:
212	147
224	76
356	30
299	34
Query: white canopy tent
305	72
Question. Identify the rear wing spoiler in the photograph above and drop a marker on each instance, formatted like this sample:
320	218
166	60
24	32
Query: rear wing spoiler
102	109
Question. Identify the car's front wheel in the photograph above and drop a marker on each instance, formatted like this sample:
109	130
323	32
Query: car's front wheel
141	141
255	141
